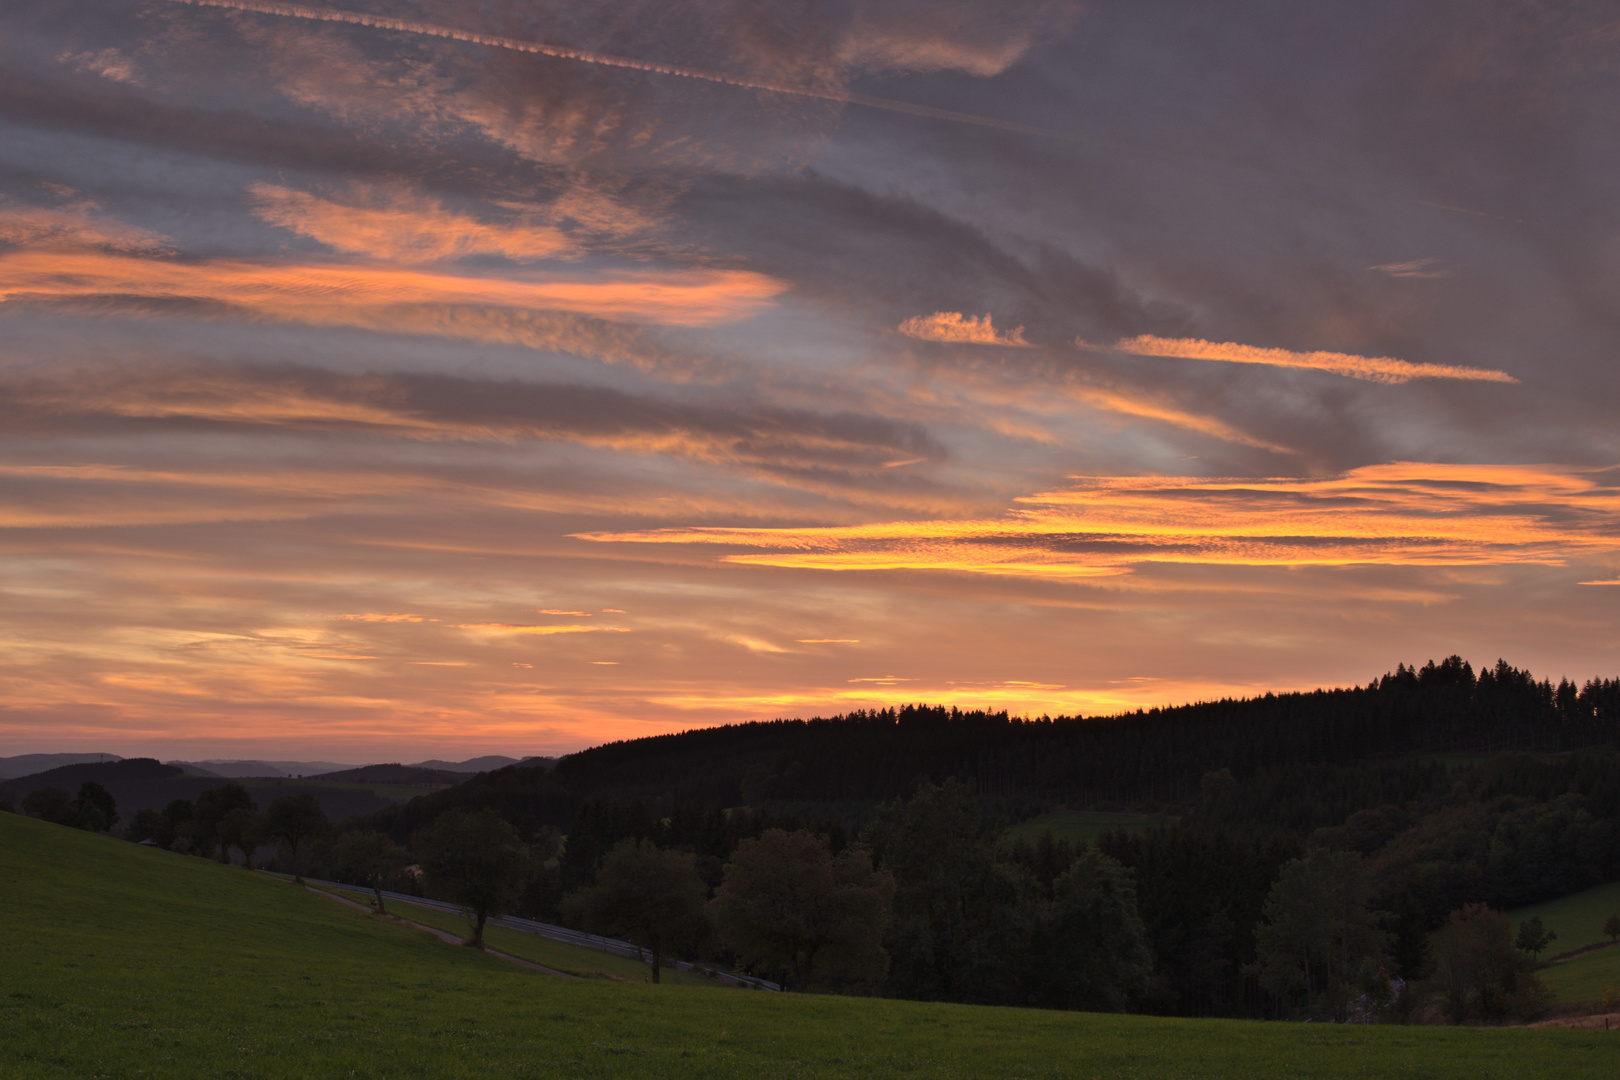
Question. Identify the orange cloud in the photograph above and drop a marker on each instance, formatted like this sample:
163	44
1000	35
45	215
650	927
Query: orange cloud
371	616
361	293
398	225
1397	514
1383	369
954	327
77	225
509	628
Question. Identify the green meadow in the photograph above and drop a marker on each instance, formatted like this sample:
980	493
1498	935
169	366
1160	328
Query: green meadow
559	955
1578	921
122	961
1585	978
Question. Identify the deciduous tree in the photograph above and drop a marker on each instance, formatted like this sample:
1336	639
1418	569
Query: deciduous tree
51	804
788	905
1481	974
955	932
1533	937
212	807
1320	939
243	828
1089	948
294	821
370	859
96	809
647	895
474	858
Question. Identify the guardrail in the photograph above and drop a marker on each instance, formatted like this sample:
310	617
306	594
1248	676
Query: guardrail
626	949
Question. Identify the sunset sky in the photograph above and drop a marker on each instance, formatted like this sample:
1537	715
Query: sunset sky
417	378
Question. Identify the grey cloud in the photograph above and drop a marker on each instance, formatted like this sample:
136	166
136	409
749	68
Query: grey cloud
792	445
896	257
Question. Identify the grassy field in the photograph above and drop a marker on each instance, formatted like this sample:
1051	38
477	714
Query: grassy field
120	961
1584	978
1081	825
1578	919
574	959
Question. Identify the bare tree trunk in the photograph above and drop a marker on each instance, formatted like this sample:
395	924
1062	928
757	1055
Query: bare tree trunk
477	941
377	892
657	958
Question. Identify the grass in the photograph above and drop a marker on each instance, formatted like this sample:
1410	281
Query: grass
574	959
1584	978
1081	826
121	961
1577	919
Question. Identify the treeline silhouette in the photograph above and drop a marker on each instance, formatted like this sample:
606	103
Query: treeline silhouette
845	765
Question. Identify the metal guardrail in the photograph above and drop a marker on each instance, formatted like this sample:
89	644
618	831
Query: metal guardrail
626	949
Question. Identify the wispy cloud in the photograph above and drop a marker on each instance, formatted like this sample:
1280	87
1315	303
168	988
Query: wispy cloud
956	328
538	631
1414	268
79	225
108	63
361	294
397	224
797	447
1383	369
1399	514
379	617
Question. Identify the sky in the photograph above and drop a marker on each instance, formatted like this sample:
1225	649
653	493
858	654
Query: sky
430	378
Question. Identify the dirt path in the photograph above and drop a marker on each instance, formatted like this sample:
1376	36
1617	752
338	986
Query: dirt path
442	935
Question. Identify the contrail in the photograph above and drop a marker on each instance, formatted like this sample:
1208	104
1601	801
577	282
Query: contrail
587	56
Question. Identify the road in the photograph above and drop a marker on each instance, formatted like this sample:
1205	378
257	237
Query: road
559	933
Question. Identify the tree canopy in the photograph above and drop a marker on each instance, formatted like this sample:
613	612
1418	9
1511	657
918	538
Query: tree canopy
788	907
648	895
473	858
294	821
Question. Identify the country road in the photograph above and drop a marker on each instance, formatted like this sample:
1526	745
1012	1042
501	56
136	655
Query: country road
556	933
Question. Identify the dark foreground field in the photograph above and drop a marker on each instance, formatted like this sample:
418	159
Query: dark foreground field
120	961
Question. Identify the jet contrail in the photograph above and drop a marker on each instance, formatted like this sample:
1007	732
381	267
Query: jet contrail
587	56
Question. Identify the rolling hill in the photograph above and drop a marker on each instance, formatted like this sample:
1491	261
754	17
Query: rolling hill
121	961
143	783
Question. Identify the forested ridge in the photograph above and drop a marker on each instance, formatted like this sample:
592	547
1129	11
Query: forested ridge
1434	789
1019	766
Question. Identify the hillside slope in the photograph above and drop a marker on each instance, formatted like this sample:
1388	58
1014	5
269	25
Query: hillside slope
843	766
123	961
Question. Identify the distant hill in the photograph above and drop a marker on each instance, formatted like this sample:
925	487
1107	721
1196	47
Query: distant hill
135	783
191	768
29	764
144	783
239	769
482	764
395	774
